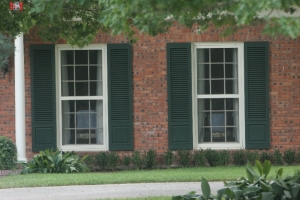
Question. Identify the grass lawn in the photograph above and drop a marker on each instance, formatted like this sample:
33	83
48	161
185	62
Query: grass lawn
134	176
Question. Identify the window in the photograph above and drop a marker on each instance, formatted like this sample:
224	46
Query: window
82	97
218	95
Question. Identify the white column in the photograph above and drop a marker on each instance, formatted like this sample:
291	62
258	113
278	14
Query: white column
20	99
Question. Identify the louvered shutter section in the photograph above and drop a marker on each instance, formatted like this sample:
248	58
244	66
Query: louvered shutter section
120	96
42	62
257	95
179	96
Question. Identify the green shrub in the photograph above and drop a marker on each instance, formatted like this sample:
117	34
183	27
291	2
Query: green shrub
113	159
199	158
289	156
90	162
101	160
251	156
184	157
224	157
255	186
126	161
298	156
8	153
277	155
239	158
150	159
55	162
212	157
137	160
169	158
264	155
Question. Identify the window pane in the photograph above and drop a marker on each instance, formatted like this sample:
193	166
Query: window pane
229	103
67	73
81	73
230	55
232	118
217	71
95	57
67	88
217	86
218	121
203	71
67	57
95	73
218	136
201	86
231	71
204	134
68	136
81	88
231	87
232	134
96	88
217	104
203	55
81	57
217	55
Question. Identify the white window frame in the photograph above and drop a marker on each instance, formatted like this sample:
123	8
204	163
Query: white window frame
60	98
240	96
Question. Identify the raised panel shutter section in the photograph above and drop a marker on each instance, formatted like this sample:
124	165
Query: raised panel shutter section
179	96
120	96
257	95
42	63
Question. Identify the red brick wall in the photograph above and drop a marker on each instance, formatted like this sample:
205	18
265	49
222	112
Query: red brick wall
150	86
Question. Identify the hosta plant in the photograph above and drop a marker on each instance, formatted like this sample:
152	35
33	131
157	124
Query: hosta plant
255	187
49	161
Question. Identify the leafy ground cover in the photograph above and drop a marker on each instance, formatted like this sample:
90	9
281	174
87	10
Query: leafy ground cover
134	176
148	198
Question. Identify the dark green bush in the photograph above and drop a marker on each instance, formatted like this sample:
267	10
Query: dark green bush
277	155
298	156
8	153
212	157
251	156
126	161
289	156
239	157
224	157
264	155
113	159
55	162
90	162
169	158
101	160
137	160
150	159
184	157
199	158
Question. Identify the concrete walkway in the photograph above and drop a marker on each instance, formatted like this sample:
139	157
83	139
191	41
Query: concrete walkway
111	191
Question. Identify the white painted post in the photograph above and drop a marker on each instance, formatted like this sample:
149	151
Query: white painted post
20	99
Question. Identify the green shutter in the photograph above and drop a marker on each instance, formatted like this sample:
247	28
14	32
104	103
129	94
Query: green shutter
42	63
120	96
179	96
257	95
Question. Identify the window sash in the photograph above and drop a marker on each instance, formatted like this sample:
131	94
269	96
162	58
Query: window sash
102	97
239	96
